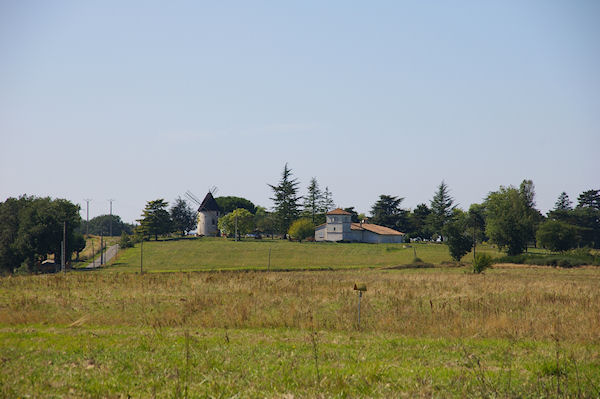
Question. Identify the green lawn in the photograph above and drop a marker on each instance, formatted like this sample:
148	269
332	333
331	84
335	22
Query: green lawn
284	363
219	253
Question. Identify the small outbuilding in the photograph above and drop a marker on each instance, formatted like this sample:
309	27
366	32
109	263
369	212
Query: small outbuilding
339	227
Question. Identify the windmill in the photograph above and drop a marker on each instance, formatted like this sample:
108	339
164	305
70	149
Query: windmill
190	196
208	212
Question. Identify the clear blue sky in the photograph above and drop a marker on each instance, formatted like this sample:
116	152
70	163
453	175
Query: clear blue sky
139	100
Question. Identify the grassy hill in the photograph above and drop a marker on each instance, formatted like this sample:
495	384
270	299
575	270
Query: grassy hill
220	253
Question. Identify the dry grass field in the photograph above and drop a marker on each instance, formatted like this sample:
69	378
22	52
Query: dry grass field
511	332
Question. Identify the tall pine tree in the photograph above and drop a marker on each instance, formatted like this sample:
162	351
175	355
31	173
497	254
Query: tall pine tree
313	200
563	203
327	203
442	206
286	200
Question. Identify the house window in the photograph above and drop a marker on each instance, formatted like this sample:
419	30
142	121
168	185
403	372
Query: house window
334	229
213	222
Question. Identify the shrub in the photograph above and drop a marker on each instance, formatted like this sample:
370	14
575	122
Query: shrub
125	241
482	261
573	258
301	229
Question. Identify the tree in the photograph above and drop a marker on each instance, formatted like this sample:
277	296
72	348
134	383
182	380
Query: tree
41	226
231	203
419	222
476	222
587	221
125	241
242	218
286	199
31	228
182	216
556	235
354	218
328	203
563	203
457	237
527	191
589	199
387	212
155	218
441	208
10	254
264	220
301	229
100	225
510	219
313	200
78	243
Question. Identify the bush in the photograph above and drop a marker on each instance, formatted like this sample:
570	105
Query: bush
482	261
573	258
301	229
125	241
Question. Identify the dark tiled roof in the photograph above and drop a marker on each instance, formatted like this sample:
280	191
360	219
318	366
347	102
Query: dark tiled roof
338	211
209	204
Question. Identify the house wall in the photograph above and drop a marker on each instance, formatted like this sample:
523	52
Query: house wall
207	223
338	227
373	238
320	233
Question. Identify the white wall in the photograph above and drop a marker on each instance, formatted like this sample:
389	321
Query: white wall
207	223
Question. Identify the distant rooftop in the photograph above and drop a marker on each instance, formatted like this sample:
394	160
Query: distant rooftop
375	228
338	211
209	204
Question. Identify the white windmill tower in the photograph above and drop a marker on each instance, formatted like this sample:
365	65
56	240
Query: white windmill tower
208	213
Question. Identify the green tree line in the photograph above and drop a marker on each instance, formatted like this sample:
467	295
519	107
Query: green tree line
31	229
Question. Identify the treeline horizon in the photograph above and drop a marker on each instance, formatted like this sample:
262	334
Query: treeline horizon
32	227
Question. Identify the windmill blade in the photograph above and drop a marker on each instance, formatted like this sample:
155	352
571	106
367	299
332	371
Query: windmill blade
214	190
193	198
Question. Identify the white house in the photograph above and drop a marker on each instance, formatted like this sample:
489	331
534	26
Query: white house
208	216
339	227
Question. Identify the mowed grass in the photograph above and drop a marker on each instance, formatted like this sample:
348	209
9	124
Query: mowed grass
512	332
220	253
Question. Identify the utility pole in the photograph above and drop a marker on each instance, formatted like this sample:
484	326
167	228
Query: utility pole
101	247
142	256
236	233
87	217
111	201
63	248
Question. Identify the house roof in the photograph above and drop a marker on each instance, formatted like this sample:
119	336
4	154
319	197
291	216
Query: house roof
209	204
338	211
375	228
